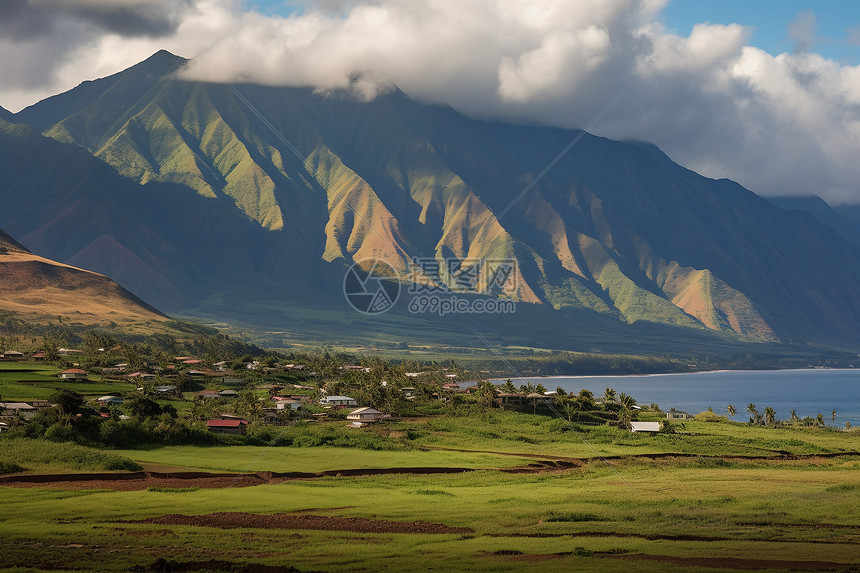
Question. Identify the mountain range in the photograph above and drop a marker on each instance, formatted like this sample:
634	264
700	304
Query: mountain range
249	202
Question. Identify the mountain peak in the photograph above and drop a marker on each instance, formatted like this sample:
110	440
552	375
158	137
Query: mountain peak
162	60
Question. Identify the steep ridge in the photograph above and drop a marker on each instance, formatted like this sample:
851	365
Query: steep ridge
311	182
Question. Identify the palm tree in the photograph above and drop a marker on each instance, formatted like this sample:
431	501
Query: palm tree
820	419
834	415
794	417
769	416
731	410
486	394
609	395
753	413
626	401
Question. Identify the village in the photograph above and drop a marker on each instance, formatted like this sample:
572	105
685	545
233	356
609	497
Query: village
227	397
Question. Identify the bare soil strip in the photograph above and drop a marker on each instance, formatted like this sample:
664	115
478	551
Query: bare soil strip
236	520
775	455
130	481
738	563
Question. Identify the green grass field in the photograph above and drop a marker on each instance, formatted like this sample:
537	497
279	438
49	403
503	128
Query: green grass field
654	516
33	381
285	459
736	497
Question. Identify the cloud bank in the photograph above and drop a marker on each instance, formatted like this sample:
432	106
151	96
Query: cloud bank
786	124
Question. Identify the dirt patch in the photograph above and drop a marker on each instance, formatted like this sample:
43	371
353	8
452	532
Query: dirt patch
235	520
739	563
131	481
168	566
134	481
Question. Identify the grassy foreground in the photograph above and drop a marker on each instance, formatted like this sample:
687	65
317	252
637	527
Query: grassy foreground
735	502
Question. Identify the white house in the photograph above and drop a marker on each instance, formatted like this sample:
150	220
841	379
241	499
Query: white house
339	401
644	427
111	400
365	415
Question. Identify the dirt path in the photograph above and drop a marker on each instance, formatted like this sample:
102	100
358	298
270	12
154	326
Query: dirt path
775	456
236	520
130	481
744	564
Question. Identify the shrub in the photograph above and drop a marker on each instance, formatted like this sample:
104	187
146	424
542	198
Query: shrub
10	468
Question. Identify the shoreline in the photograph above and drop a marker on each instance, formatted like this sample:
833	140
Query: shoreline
692	372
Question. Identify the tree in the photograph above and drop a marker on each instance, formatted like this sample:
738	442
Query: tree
559	391
626	413
731	410
609	395
752	412
68	402
834	415
820	419
769	416
509	387
486	394
141	408
794	417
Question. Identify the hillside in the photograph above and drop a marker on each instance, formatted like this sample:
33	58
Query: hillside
839	219
40	290
249	201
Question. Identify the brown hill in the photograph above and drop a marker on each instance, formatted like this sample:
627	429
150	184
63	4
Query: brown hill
39	289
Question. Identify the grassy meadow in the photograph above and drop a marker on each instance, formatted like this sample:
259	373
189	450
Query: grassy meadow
738	503
648	516
533	491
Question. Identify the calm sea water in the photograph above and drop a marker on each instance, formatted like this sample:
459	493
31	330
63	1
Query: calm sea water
808	391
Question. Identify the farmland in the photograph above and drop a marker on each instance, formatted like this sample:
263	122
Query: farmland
456	487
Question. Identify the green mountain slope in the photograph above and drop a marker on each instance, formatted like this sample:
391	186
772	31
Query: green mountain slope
295	185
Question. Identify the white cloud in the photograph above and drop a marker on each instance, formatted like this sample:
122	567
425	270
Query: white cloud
786	124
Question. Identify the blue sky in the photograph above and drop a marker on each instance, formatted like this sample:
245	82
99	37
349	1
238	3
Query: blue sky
770	20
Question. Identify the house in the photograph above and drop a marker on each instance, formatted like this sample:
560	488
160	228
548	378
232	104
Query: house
365	415
408	392
111	400
338	401
12	355
207	394
511	400
69	352
22	409
674	414
229	394
637	427
74	374
288	404
165	390
227	426
39	356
